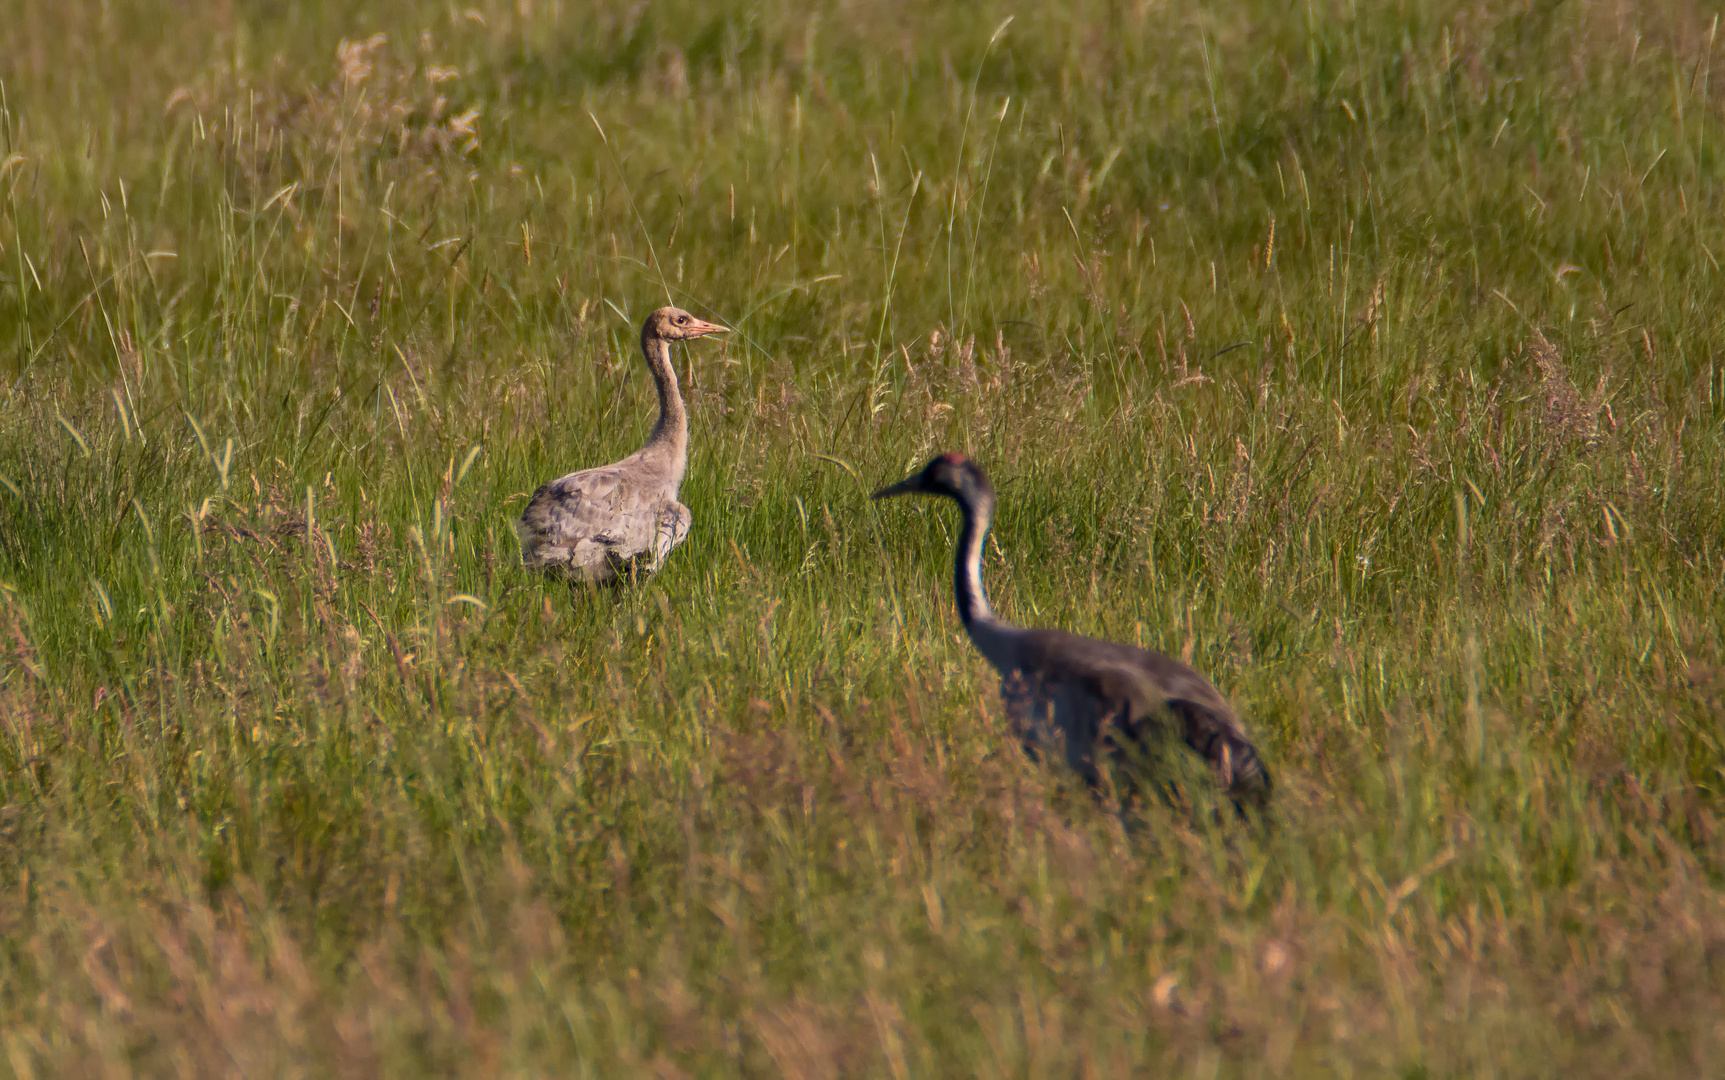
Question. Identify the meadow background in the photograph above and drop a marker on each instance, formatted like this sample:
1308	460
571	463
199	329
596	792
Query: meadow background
1367	355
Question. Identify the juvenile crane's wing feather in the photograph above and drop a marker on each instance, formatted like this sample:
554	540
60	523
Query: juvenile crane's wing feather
592	524
671	529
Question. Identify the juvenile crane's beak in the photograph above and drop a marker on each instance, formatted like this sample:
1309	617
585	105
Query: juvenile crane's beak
701	329
909	486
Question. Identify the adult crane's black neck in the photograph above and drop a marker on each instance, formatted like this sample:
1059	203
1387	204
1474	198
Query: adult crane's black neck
978	508
673	425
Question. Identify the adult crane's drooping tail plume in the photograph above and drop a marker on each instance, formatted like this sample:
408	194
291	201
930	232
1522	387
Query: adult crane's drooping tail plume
621	520
1063	688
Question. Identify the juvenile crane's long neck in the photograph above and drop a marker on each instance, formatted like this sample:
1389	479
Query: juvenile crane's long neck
670	435
967	570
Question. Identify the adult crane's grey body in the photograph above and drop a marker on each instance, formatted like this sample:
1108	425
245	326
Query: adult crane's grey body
1064	690
621	520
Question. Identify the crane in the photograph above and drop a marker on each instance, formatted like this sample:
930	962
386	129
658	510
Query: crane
1066	691
618	522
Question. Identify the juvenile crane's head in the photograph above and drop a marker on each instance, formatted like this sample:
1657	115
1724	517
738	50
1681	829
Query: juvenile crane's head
951	475
675	324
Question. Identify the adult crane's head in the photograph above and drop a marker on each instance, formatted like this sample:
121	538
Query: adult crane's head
675	324
953	476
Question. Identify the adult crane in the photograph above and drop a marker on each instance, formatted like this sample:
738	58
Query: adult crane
1067	692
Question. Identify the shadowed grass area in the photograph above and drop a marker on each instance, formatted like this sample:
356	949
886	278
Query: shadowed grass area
1366	357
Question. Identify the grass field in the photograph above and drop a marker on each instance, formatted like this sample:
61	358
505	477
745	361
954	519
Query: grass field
1367	355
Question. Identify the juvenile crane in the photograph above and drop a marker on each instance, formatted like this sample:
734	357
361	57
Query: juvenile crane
619	521
1062	688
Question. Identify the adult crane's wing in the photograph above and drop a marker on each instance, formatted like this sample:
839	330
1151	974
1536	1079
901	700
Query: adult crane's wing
1217	736
1145	691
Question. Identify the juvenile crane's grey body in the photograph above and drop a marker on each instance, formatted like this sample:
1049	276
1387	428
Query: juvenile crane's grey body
1070	693
618	521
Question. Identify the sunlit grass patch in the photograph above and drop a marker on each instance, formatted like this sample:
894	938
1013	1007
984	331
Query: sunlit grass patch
1365	359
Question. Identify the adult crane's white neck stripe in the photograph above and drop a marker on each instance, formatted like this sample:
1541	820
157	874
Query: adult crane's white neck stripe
971	594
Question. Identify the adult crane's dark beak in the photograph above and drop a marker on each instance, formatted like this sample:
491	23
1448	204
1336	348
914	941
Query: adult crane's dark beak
909	486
